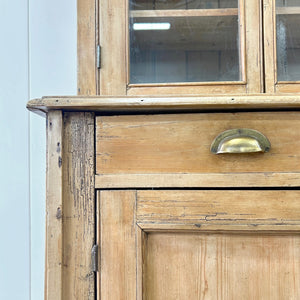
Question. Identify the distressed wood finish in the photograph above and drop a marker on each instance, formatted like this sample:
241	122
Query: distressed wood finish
118	245
219	210
86	47
180	144
199	244
234	180
78	206
54	206
148	103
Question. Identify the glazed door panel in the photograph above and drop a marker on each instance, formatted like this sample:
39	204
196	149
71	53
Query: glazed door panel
199	244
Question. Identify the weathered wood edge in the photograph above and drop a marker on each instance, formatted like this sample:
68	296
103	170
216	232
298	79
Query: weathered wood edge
86	47
54	208
194	180
144	104
78	206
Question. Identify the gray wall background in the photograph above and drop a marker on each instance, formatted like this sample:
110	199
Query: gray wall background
37	58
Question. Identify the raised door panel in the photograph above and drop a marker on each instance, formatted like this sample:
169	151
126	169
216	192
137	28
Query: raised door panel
199	244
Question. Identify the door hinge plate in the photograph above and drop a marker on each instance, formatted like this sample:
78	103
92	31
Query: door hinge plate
95	250
98	56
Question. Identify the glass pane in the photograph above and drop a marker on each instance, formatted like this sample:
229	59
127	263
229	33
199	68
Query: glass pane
184	41
288	40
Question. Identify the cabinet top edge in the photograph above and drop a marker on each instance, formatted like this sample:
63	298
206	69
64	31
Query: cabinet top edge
156	104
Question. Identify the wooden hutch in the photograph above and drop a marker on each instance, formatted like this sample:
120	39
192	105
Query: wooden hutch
139	205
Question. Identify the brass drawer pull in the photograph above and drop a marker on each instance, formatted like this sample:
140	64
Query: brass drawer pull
242	140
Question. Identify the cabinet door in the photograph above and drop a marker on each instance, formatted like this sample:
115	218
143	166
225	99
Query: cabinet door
282	46
199	244
180	47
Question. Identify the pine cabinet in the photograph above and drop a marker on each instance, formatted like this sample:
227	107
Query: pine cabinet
174	174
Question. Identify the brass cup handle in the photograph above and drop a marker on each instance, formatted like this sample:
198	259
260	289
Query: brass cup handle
242	140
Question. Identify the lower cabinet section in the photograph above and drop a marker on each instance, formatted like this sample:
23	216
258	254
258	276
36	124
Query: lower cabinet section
198	244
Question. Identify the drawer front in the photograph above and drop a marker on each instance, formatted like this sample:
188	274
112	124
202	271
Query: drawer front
174	150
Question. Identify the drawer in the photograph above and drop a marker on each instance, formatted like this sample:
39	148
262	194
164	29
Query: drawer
173	150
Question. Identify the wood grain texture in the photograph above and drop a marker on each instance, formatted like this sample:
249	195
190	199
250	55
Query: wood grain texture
181	180
171	103
79	206
222	266
54	207
186	90
118	245
184	13
113	29
86	47
180	143
218	210
253	47
269	28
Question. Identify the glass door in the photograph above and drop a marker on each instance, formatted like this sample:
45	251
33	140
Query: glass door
283	57
180	47
185	41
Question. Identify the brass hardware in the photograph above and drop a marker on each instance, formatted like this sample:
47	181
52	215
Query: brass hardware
242	140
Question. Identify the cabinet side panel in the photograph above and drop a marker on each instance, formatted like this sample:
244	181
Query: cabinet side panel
78	206
53	271
86	45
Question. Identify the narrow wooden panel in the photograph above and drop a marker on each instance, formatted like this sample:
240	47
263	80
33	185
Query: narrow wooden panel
253	52
219	210
222	266
184	13
188	89
86	47
118	245
113	40
78	206
269	27
54	208
265	179
166	144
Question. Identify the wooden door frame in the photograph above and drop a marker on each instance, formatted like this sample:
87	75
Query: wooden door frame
87	40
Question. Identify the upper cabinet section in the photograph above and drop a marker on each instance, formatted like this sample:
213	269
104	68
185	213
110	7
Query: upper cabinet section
180	47
282	45
199	47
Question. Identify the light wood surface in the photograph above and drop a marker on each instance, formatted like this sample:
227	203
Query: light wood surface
148	103
113	35
78	206
222	266
253	46
184	13
199	244
118	245
180	143
249	210
54	208
293	10
181	180
86	47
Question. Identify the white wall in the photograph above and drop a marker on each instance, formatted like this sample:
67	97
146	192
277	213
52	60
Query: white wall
37	58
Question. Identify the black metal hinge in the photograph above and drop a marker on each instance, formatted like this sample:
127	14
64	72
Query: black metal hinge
95	251
98	53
